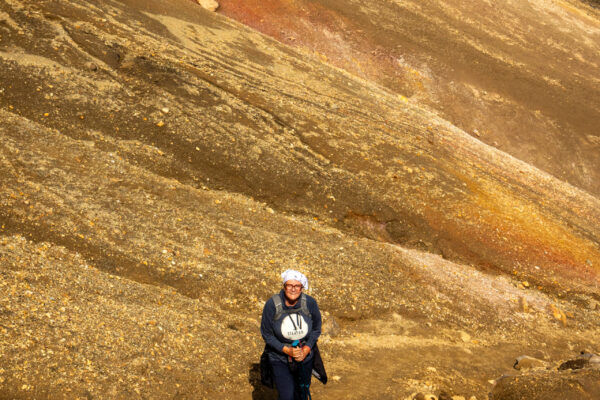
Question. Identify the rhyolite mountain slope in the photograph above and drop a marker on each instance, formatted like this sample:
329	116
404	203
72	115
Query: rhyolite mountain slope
521	76
161	165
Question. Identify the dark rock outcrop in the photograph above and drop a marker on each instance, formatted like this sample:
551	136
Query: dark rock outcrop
581	384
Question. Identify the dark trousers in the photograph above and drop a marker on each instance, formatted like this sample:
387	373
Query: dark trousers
288	382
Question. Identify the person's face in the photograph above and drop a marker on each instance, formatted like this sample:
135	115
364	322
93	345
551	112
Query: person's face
292	289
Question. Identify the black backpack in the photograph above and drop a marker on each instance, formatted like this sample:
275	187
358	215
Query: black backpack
266	373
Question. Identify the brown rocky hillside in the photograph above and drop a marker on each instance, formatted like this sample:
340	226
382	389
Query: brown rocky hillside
161	164
521	76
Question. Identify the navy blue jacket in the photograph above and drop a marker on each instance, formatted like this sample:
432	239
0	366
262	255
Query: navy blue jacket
271	331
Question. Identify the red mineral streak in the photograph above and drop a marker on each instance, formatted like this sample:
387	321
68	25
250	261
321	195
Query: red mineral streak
328	35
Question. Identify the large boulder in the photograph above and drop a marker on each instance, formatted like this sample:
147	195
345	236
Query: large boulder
580	384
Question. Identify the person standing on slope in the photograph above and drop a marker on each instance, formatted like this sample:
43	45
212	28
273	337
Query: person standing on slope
291	326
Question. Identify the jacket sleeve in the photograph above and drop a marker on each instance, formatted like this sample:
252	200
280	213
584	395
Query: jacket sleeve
316	324
266	327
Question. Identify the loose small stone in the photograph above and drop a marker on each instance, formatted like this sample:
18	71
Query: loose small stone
91	66
210	5
527	362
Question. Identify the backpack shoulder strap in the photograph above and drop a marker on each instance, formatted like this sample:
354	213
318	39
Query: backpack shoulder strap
304	306
278	306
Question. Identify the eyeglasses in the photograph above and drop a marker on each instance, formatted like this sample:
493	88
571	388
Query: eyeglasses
290	286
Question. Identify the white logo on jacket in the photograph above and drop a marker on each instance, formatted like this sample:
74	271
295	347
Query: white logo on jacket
294	327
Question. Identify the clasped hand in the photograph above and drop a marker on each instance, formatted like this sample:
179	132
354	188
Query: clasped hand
297	353
300	354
